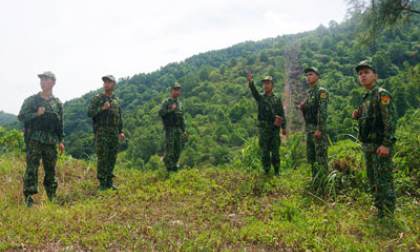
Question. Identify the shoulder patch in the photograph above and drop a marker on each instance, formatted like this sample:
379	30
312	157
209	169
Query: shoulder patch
385	100
323	95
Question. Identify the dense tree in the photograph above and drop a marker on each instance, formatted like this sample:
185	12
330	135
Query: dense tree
377	15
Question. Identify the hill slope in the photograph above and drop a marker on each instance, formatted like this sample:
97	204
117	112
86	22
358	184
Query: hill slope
6	118
220	112
229	208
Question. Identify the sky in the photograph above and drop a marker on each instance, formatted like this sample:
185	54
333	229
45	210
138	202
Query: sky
82	40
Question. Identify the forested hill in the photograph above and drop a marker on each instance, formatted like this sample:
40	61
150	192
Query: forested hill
6	118
220	112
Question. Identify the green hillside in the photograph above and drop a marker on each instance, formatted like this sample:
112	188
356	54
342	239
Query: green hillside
220	112
6	118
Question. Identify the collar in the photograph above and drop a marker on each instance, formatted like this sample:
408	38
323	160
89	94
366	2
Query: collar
375	87
272	94
111	97
51	97
315	88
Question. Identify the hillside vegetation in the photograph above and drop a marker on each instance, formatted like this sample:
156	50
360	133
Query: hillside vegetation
227	208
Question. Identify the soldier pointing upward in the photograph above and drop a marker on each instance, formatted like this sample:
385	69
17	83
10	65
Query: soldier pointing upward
270	119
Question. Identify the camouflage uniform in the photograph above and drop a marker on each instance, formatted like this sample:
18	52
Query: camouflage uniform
107	127
377	124
174	124
269	135
315	113
42	134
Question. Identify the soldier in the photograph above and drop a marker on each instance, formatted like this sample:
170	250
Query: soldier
42	115
105	110
270	119
172	113
315	113
377	119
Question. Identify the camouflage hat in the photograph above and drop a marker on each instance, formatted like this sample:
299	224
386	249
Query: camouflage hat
47	74
366	63
268	78
312	69
109	77
175	85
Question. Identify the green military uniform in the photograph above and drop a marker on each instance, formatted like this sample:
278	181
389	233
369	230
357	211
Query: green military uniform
315	113
107	127
377	124
42	134
174	124
269	134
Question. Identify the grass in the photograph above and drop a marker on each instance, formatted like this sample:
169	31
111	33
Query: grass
208	209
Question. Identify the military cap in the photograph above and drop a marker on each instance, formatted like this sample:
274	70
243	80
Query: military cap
366	63
109	77
47	74
175	85
312	69
268	78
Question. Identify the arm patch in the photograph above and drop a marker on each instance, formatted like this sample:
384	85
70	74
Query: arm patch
385	100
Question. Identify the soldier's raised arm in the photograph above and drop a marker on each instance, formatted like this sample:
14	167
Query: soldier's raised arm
254	91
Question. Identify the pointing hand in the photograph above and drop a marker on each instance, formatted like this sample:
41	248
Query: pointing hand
249	76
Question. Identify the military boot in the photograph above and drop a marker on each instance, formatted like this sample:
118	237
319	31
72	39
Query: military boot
276	171
29	201
109	185
53	198
102	185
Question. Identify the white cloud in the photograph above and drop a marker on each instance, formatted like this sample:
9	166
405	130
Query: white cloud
82	40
